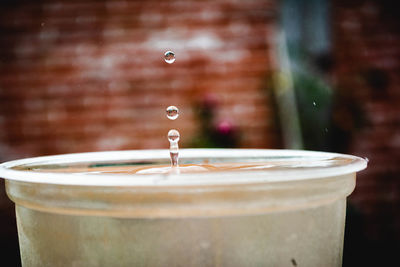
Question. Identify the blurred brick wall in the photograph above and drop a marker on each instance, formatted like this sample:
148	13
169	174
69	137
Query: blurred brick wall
367	53
89	75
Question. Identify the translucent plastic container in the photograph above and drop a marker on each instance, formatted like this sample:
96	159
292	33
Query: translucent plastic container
223	208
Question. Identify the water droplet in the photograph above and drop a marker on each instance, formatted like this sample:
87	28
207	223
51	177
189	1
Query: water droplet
173	136
169	57
172	112
314	104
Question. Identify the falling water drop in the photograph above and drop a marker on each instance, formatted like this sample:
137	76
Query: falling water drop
173	138
314	104
172	112
173	135
169	57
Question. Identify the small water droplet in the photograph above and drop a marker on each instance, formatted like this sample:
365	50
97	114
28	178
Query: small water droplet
173	136
314	104
169	57
172	112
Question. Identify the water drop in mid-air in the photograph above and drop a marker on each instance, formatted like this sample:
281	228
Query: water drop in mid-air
314	104
172	112
173	136
169	57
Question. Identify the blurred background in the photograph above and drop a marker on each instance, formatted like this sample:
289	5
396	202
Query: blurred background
79	76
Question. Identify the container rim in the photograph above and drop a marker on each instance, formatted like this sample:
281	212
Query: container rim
314	170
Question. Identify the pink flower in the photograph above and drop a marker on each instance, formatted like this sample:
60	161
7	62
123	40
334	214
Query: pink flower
224	127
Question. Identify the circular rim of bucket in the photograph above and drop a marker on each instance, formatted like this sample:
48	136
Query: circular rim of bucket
184	179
